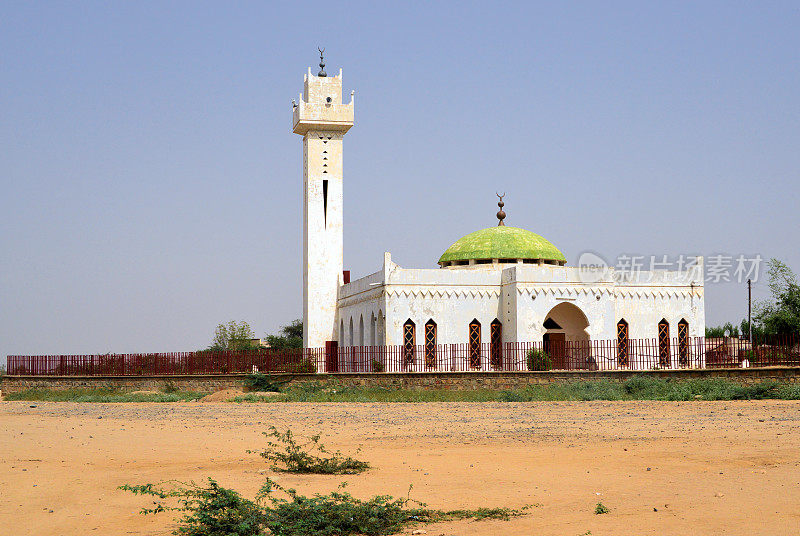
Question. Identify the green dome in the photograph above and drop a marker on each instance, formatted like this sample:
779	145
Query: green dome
505	243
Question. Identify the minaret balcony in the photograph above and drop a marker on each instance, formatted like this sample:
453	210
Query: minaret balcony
322	116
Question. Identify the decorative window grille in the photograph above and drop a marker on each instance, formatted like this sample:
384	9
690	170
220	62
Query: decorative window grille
409	338
663	343
496	344
475	344
683	342
430	344
623	350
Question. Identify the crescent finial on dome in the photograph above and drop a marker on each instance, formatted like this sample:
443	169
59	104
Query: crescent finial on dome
500	214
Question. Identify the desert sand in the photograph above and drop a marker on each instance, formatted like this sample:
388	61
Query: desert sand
661	467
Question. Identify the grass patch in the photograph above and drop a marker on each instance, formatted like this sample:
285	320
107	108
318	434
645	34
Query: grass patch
213	510
311	456
641	387
102	395
635	388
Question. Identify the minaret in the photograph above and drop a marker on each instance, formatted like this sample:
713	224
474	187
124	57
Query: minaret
322	119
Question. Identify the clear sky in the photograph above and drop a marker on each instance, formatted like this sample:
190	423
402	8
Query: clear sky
150	185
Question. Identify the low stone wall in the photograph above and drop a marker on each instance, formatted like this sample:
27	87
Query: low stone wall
411	380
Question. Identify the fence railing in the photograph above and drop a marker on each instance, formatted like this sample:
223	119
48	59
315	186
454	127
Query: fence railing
630	354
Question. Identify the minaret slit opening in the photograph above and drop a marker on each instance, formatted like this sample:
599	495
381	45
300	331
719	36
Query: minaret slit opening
325	202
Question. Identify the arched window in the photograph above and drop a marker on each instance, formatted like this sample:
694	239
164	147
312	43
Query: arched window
663	343
341	332
351	339
474	344
683	342
622	343
381	340
372	330
496	344
361	331
409	339
430	344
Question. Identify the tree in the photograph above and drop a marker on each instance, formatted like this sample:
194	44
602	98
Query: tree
719	332
291	336
780	315
233	336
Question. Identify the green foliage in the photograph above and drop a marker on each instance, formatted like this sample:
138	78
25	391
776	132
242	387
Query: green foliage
339	513
377	366
102	395
601	509
781	314
263	382
719	331
287	455
291	336
639	387
538	360
216	511
236	336
209	511
758	331
169	387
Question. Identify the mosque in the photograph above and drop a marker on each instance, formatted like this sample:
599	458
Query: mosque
497	285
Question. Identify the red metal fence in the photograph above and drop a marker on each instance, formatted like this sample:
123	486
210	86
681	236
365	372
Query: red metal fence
624	354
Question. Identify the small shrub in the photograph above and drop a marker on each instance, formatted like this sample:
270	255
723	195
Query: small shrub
377	366
210	511
216	511
287	455
169	387
512	396
262	382
789	391
538	360
601	509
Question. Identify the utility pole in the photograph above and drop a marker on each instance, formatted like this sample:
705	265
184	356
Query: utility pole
749	312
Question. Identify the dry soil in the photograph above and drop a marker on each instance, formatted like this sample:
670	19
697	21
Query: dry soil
661	467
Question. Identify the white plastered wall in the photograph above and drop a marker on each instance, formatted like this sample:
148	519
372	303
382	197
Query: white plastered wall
521	297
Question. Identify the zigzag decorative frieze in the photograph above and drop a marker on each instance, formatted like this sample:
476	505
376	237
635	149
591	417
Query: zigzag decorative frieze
639	293
442	293
558	292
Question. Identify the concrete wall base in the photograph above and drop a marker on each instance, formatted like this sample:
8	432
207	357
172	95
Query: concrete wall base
414	380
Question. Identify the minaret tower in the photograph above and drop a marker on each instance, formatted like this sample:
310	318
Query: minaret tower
322	119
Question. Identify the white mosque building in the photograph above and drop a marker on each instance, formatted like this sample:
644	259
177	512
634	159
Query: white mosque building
495	287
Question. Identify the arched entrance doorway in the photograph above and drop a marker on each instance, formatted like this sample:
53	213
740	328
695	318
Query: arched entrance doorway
565	338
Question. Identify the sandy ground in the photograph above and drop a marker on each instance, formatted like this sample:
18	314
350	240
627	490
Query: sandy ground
663	468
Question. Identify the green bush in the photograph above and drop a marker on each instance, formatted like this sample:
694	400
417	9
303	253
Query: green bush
601	509
210	511
262	382
377	366
538	360
215	511
287	455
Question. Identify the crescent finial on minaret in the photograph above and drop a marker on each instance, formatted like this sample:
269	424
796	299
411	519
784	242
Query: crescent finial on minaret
321	63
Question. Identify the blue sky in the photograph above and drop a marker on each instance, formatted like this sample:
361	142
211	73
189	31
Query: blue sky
151	187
